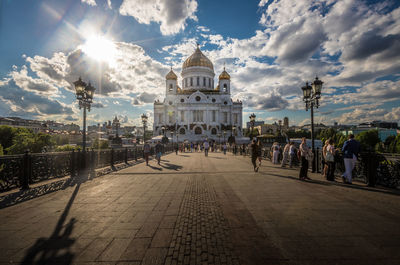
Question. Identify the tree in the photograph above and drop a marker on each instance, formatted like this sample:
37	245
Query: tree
368	139
27	140
60	139
65	148
100	144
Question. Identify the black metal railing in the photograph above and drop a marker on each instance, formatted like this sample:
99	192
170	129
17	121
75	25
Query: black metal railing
18	171
371	168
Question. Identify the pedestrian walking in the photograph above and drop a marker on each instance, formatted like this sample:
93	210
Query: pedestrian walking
275	153
323	159
305	154
158	150
330	160
350	150
224	148
254	155
292	154
146	152
206	147
285	155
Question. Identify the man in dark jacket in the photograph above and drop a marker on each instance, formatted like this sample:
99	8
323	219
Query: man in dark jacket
254	154
350	150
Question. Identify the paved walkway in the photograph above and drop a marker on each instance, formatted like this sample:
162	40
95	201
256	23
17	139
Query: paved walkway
204	210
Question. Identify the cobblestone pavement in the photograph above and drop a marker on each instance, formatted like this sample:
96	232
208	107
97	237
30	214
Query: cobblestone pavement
204	210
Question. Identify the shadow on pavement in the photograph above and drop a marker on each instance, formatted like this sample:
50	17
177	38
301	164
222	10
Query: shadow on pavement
152	167
171	166
24	195
333	183
56	248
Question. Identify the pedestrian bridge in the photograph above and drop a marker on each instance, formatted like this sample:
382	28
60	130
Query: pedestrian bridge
194	209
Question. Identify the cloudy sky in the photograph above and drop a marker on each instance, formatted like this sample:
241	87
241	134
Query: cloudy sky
270	48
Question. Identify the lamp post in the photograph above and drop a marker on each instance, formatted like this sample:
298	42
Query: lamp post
84	94
311	96
144	120
252	118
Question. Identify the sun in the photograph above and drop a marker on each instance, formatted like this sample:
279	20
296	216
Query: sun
101	49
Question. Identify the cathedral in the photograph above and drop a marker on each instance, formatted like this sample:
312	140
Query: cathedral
198	110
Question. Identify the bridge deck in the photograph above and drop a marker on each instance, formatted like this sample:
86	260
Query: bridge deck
204	210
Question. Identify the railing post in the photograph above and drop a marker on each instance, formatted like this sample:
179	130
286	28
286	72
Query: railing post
92	162
317	160
73	163
126	155
135	152
112	157
27	169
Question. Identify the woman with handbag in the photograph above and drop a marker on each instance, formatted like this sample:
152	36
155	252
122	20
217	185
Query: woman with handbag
305	153
330	160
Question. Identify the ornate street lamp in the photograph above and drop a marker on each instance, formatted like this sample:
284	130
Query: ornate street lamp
84	94
252	118
311	96
144	120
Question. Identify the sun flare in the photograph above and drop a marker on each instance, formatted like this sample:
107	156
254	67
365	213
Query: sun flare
101	49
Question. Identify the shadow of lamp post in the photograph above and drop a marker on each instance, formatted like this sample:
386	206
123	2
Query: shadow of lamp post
84	94
311	96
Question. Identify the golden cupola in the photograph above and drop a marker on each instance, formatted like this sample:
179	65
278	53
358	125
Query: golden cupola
198	59
224	75
171	75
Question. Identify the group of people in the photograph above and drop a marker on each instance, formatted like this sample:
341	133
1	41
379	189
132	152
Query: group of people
304	154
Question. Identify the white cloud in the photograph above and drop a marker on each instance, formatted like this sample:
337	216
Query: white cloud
170	14
89	2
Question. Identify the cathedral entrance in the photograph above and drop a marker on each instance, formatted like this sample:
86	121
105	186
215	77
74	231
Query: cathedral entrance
198	130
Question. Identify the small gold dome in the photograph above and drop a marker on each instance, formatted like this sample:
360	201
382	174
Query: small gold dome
198	59
224	75
171	75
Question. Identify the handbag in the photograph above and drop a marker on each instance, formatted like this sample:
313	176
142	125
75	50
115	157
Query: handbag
329	157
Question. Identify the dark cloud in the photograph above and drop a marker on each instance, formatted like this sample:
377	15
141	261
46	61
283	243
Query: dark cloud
271	102
371	43
147	97
70	118
98	105
20	100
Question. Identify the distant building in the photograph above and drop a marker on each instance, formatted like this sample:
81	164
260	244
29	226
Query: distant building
285	124
35	126
383	133
317	127
256	123
379	124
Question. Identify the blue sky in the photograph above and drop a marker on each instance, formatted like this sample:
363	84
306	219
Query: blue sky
270	48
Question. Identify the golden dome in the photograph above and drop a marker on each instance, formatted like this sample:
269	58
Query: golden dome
224	75
198	59
171	75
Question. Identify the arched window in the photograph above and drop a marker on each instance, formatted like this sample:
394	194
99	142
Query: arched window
182	131
209	82
198	130
170	87
213	131
185	82
225	88
204	81
191	81
198	81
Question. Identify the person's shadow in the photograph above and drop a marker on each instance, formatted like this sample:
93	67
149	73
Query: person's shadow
156	168
171	166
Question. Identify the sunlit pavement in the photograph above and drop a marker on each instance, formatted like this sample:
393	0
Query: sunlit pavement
204	210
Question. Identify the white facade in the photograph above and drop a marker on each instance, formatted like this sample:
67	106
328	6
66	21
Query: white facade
197	110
